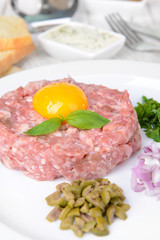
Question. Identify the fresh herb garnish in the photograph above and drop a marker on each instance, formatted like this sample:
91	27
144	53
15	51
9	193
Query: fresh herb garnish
45	127
148	113
83	119
86	119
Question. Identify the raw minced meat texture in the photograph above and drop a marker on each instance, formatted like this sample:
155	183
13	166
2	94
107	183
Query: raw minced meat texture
69	152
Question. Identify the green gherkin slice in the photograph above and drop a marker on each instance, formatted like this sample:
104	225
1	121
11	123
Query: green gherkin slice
116	201
54	214
86	217
87	206
53	199
62	186
105	196
120	213
110	214
125	207
62	202
71	203
85	184
64	212
87	190
88	226
96	201
95	212
100	233
74	212
84	208
79	221
66	223
67	194
101	223
79	202
77	231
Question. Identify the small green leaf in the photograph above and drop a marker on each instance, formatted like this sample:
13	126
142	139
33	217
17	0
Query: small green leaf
45	127
86	119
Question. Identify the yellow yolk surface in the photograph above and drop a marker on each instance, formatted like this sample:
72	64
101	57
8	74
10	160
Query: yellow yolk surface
58	99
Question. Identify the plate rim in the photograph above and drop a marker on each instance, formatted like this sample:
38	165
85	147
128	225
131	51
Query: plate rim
122	67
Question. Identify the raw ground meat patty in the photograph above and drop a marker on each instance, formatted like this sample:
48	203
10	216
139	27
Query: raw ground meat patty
68	152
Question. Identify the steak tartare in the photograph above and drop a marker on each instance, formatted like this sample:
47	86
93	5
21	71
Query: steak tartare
69	152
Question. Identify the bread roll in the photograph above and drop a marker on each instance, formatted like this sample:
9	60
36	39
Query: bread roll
13	33
10	57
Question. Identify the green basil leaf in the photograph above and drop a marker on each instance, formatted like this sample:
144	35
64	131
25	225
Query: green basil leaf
45	127
86	119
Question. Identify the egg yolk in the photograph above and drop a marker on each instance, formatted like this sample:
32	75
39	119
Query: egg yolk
58	99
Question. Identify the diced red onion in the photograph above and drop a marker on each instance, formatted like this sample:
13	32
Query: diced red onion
146	175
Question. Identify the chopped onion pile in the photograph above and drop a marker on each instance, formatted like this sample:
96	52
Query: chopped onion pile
146	175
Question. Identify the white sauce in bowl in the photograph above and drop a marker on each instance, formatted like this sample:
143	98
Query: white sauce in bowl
88	39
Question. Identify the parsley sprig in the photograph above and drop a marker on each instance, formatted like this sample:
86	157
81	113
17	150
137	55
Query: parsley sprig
148	113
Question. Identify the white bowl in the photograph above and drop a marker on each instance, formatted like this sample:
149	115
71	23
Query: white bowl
64	51
108	6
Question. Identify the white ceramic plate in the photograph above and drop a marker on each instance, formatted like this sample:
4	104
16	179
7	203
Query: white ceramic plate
22	200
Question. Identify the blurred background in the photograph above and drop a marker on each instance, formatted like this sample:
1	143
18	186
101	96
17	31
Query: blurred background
142	15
